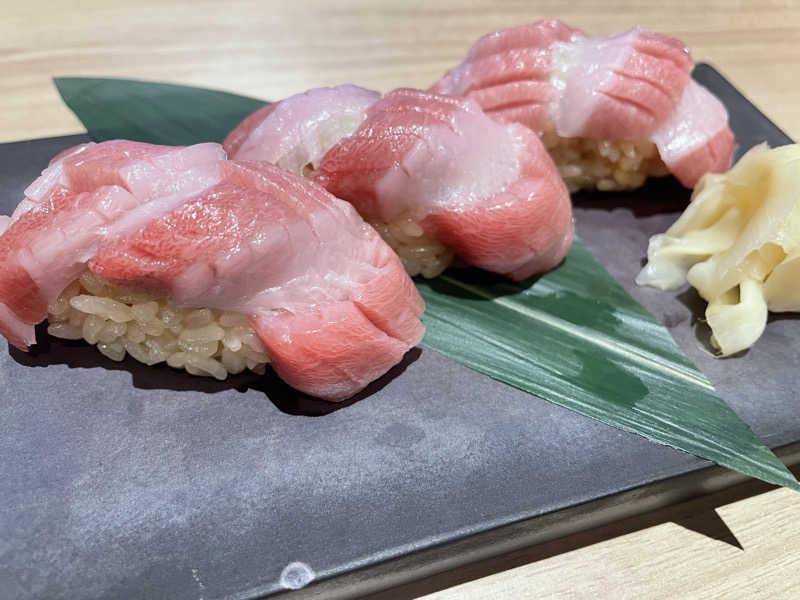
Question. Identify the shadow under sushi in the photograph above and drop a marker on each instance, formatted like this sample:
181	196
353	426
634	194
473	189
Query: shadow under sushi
658	195
496	285
80	355
292	402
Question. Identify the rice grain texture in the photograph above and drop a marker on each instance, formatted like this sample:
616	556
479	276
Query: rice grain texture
202	341
419	253
587	164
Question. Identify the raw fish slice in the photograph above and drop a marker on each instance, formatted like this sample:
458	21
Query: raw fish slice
598	103
530	213
51	177
79	201
615	87
696	138
508	55
508	72
387	297
618	87
487	191
46	248
237	138
540	34
511	66
146	170
524	102
21	305
331	351
391	301
297	131
418	152
328	298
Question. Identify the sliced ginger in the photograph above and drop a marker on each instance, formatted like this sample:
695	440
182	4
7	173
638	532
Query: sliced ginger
738	244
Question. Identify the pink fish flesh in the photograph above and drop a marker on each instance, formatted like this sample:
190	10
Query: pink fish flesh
328	298
695	139
84	196
626	86
508	72
617	87
299	130
488	191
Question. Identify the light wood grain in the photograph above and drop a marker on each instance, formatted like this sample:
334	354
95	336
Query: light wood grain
272	49
700	549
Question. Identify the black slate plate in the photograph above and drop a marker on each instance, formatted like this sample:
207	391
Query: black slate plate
122	481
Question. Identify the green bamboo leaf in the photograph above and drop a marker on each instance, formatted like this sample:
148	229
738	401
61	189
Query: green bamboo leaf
573	336
158	113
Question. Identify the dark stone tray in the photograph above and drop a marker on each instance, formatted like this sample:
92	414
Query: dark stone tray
123	481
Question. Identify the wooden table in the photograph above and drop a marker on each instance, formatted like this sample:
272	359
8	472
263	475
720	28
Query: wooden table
742	542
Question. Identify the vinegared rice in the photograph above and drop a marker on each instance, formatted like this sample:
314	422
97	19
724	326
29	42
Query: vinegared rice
602	164
419	253
202	341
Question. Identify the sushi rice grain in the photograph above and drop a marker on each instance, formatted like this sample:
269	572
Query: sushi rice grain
419	253
203	341
605	165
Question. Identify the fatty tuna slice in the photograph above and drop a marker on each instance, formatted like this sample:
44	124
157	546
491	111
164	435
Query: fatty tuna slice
619	87
297	131
46	248
508	72
633	86
696	138
548	75
489	191
77	203
327	297
147	171
540	34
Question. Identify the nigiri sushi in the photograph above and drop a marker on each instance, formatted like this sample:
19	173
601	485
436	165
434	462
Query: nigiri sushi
177	255
611	110
296	132
453	205
439	179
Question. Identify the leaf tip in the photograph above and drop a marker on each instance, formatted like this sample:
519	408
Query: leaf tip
61	81
793	485
784	478
65	85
